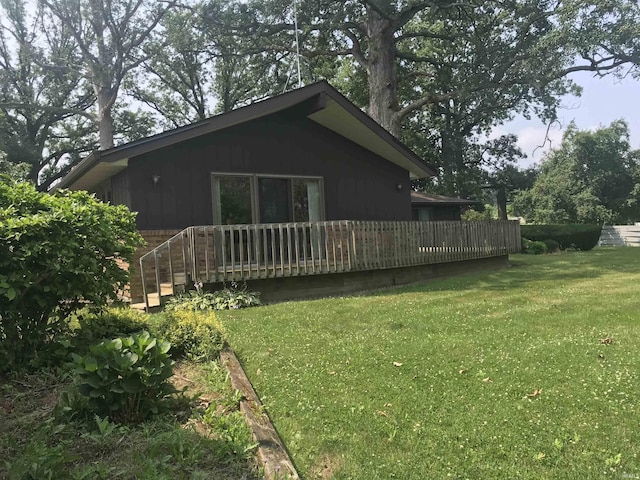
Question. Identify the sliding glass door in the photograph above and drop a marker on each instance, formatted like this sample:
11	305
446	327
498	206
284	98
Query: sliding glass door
245	199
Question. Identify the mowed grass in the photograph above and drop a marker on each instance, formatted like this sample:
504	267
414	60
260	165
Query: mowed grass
527	372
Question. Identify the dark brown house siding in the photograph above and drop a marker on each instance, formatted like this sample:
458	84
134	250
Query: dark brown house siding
358	185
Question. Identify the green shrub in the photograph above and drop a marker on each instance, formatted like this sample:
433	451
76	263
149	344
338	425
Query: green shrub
197	335
533	248
552	245
108	324
193	300
581	237
472	215
233	297
57	252
126	378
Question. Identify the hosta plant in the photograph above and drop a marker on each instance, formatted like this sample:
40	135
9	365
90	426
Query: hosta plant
126	378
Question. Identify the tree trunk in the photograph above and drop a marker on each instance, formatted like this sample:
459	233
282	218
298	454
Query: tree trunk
381	73
501	200
105	119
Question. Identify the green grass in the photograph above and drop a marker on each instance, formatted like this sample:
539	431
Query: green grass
473	351
204	438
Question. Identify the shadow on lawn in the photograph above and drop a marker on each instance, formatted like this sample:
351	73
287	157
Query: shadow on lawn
527	270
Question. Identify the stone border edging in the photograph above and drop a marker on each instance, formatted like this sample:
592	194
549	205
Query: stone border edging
271	450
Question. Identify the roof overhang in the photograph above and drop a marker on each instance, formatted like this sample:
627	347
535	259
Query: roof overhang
319	102
419	199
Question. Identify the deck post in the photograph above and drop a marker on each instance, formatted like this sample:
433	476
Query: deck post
157	267
144	285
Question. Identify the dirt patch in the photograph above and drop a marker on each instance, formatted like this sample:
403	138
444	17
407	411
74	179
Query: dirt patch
326	467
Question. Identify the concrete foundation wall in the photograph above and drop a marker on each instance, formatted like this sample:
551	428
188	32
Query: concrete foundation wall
313	286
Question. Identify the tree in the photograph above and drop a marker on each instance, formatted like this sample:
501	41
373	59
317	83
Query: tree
176	80
111	38
415	54
588	179
441	74
58	252
39	96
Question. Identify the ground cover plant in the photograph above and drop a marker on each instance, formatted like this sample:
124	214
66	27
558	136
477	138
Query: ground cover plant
528	372
123	409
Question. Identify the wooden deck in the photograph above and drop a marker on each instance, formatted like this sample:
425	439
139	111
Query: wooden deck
226	253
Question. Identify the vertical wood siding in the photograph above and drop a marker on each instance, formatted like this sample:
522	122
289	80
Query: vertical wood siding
358	185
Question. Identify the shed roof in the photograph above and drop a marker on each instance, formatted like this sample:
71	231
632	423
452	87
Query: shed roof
319	102
431	199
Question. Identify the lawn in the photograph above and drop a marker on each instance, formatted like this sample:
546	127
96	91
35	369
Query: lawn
527	372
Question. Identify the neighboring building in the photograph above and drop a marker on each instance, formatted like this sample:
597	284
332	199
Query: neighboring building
431	207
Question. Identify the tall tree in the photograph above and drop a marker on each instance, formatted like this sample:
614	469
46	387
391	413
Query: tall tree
176	80
588	179
441	74
40	92
111	38
514	44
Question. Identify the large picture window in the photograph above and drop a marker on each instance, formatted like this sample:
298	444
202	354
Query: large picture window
244	199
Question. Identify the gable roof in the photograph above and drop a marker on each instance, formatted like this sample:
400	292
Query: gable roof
319	102
433	200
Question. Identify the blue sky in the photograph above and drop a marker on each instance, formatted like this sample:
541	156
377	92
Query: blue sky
603	100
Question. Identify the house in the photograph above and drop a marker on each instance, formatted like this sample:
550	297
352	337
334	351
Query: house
303	161
432	207
308	154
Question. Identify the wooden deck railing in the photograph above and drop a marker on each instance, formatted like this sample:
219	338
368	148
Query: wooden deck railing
224	253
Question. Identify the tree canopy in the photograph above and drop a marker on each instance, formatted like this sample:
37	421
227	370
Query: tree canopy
437	74
591	178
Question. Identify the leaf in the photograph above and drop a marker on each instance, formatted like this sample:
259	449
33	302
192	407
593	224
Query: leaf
152	344
11	293
487	380
606	341
132	385
535	393
90	364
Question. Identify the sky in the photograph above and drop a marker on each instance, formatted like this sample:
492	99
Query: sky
603	100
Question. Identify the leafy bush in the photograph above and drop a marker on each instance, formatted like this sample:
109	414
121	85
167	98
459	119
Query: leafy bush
533	248
582	237
472	215
125	378
193	300
109	323
197	335
57	252
552	245
233	297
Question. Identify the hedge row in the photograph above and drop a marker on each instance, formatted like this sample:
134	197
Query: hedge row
582	237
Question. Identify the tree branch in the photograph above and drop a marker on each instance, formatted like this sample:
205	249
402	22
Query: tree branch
421	102
46	108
